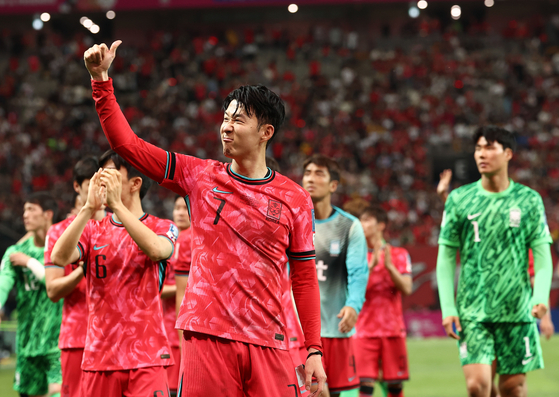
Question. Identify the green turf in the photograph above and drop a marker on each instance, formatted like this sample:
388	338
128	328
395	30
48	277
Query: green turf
434	371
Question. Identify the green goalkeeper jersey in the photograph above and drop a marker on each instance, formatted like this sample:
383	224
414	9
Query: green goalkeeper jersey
493	233
38	318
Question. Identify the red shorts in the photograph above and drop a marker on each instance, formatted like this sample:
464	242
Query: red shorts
298	355
174	370
71	363
141	382
390	352
339	364
212	366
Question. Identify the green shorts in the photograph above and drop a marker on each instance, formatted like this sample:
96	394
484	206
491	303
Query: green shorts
34	374
516	346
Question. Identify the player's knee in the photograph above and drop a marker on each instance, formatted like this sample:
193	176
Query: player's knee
476	387
366	389
395	390
513	389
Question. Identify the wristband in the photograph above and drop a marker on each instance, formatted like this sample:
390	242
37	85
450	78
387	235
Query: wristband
316	353
36	267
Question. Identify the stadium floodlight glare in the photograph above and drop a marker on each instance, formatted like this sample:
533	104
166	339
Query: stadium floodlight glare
83	19
489	3
293	8
37	24
94	29
45	17
455	12
110	14
88	23
422	4
413	12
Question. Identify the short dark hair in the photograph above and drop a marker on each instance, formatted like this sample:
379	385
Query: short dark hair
493	133
259	100
272	164
85	169
132	172
324	161
46	201
376	212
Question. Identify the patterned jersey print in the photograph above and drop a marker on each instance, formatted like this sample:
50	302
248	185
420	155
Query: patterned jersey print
493	232
39	318
296	338
183	253
243	232
125	328
382	314
74	310
341	266
170	306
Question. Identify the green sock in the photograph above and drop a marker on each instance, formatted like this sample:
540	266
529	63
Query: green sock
384	388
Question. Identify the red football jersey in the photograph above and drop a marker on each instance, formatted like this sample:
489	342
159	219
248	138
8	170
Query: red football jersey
182	257
74	311
382	314
125	328
169	306
294	331
243	231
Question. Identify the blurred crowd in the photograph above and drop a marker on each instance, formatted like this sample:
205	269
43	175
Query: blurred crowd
381	106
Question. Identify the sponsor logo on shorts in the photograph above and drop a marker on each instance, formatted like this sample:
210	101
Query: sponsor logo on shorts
350	379
463	350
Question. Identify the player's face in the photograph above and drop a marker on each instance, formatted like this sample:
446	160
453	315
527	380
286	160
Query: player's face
240	135
34	218
180	214
126	194
316	181
371	227
491	157
82	191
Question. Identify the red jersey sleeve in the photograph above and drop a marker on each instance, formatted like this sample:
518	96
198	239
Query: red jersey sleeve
402	261
167	229
52	237
84	242
183	254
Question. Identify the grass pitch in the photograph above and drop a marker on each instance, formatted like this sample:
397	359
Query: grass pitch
434	371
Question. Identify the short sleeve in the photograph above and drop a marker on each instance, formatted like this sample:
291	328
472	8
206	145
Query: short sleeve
539	230
449	226
168	230
50	240
301	244
404	262
183	255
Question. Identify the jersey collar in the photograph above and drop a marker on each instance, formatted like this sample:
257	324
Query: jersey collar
270	175
119	224
496	195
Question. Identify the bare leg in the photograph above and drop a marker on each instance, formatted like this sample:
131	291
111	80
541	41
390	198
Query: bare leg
494	388
513	385
478	379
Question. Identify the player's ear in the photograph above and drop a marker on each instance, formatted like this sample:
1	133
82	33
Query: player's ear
267	132
49	215
333	186
76	187
135	184
508	154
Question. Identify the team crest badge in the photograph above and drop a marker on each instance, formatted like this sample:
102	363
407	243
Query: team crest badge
514	217
274	211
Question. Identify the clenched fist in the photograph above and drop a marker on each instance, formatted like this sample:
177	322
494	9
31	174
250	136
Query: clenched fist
98	60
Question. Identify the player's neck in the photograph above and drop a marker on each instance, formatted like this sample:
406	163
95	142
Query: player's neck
253	168
323	208
39	237
496	183
99	215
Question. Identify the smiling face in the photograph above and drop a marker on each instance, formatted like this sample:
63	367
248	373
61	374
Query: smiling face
242	135
491	158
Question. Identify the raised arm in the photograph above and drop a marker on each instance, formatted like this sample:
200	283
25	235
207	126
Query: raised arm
152	161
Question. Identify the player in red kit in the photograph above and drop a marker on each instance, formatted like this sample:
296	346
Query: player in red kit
68	283
126	347
247	221
380	341
179	267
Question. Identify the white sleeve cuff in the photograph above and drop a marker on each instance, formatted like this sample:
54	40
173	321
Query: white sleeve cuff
37	268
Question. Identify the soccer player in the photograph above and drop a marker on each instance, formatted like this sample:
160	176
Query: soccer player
179	268
246	221
380	340
38	356
68	283
126	346
493	223
342	272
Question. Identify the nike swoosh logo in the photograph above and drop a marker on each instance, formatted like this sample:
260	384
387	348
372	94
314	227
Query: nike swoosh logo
524	362
470	217
350	379
95	248
216	190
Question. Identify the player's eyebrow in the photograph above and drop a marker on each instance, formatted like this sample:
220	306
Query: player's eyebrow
238	114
